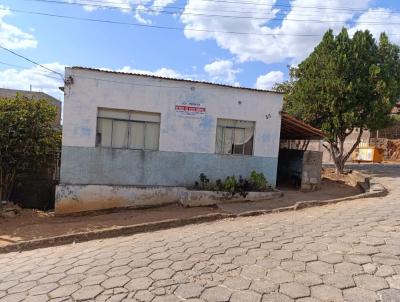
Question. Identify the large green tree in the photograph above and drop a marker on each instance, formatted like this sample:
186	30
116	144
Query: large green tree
346	83
28	138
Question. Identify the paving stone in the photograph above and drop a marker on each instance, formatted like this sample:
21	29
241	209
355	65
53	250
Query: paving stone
21	287
357	294
237	283
37	298
254	272
245	295
305	256
7	284
389	295
293	265
281	254
64	291
118	281
139	283
93	280
276	297
294	290
370	282
319	267
387	259
347	268
385	271
144	296
326	293
87	292
308	278
307	299
339	280
189	290
280	276
42	288
358	259
370	268
216	294
166	298
161	274
14	297
263	286
331	258
394	281
52	278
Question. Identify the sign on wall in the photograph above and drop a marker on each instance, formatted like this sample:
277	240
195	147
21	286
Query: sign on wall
187	109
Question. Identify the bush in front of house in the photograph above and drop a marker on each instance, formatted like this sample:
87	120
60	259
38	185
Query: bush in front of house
257	182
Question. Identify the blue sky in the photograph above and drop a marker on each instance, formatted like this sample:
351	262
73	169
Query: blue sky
283	33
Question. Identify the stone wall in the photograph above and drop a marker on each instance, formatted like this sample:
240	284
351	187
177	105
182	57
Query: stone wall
311	171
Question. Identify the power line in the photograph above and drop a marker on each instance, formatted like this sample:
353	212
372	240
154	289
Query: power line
31	61
161	27
210	15
26	67
359	9
156	11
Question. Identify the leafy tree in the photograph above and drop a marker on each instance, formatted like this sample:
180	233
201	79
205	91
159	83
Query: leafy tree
28	138
346	83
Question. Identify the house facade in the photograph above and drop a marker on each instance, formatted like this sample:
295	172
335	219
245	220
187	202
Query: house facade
131	137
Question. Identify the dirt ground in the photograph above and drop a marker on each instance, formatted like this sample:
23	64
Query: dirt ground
33	224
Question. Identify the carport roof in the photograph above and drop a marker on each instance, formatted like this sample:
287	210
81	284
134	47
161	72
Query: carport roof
292	128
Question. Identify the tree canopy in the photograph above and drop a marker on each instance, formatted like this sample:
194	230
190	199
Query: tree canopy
346	83
28	138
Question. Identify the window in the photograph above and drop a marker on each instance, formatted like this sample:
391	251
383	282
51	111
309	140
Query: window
234	137
128	129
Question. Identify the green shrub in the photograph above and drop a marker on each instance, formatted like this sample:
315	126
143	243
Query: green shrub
258	182
232	186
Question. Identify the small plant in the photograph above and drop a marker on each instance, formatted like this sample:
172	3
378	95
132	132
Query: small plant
232	186
258	181
203	183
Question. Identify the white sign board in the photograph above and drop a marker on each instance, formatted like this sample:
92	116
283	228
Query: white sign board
187	109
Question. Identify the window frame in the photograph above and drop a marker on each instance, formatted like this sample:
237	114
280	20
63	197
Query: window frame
129	128
233	132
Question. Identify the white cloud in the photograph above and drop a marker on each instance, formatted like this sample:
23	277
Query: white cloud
222	71
269	43
389	23
39	78
123	5
140	8
268	80
12	36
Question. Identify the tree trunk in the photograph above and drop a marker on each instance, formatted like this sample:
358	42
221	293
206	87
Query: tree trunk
7	180
338	153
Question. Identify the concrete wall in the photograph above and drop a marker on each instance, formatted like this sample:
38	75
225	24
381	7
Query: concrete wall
155	168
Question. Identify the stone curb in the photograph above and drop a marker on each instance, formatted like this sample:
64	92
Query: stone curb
374	190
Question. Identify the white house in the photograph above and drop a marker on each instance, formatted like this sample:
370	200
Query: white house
128	135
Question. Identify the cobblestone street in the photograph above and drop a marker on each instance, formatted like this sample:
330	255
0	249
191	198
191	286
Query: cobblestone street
344	252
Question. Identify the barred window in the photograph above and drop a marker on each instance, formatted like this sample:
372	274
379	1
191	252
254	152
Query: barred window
125	129
234	137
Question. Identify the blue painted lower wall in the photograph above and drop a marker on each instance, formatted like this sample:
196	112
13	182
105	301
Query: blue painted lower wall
81	165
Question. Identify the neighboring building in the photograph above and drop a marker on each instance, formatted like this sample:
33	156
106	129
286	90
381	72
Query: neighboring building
126	136
38	95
